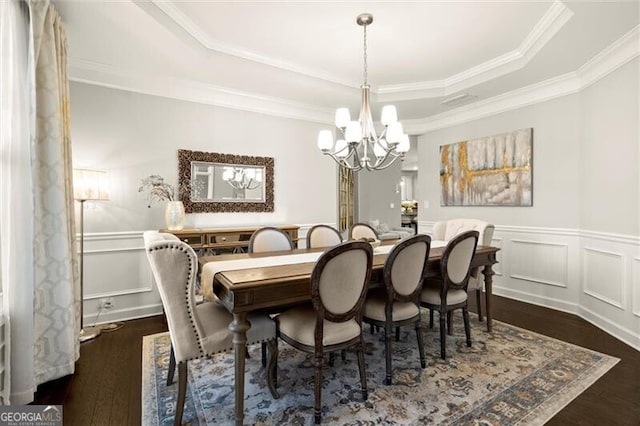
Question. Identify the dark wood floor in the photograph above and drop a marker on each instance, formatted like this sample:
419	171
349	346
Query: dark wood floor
105	390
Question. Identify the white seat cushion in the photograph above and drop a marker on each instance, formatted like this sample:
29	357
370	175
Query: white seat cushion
431	294
299	324
376	302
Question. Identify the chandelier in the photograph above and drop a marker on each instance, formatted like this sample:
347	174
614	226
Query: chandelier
359	146
241	179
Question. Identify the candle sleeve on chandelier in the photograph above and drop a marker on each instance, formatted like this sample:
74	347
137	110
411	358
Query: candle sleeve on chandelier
353	132
394	132
325	140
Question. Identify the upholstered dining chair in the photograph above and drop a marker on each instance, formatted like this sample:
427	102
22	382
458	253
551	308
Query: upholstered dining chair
196	330
323	236
362	230
269	239
447	229
450	292
333	321
398	303
265	240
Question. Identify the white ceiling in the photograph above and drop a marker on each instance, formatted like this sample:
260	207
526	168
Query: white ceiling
307	56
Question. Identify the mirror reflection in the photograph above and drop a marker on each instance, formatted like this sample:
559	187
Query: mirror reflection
227	182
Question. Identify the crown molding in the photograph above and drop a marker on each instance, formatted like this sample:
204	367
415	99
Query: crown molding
191	28
551	22
193	91
613	57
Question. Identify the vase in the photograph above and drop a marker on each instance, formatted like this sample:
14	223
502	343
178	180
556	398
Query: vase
174	215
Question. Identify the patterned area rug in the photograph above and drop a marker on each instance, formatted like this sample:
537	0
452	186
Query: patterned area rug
512	376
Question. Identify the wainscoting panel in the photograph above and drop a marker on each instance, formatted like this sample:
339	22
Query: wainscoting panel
635	287
603	276
539	262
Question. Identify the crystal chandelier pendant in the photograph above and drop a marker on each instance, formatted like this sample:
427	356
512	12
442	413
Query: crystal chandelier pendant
360	147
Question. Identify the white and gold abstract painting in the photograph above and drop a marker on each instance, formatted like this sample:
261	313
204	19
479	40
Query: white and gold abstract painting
488	171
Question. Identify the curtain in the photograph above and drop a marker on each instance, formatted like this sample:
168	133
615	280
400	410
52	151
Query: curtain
40	281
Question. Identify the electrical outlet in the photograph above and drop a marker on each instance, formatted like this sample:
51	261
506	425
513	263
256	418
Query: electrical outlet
105	304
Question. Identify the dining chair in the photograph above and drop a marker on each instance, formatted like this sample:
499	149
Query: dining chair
398	303
264	240
268	239
450	292
362	230
323	236
196	330
333	320
447	229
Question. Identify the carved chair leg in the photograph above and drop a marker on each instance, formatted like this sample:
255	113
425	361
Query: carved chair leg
397	334
272	368
443	336
319	358
430	318
387	352
450	323
264	354
467	329
479	299
343	354
423	360
332	359
361	367
172	367
182	393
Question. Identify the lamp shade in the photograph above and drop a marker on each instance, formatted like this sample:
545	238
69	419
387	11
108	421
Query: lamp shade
389	115
90	185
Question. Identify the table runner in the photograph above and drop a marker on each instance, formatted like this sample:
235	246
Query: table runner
210	269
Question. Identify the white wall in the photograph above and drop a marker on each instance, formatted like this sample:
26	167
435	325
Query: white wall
133	135
578	248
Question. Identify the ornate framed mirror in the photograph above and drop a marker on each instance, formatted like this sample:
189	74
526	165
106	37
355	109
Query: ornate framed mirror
225	183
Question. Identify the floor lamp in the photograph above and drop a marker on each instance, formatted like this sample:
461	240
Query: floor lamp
88	185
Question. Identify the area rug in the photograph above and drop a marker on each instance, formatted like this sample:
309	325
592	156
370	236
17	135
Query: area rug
509	377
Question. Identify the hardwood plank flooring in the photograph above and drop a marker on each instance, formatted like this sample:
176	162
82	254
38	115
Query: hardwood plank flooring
106	387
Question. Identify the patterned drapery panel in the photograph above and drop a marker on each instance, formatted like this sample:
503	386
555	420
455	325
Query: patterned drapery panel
57	287
345	198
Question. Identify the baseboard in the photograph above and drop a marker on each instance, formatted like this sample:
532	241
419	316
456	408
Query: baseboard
533	299
117	315
623	334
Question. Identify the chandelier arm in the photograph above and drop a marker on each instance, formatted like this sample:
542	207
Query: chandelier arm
343	163
381	166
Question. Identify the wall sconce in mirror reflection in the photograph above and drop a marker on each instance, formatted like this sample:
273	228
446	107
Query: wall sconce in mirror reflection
88	185
243	178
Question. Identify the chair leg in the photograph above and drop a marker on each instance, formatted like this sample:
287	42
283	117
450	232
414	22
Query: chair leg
332	359
319	359
479	299
343	354
423	360
172	367
450	323
272	368
397	334
387	352
430	318
443	336
467	329
182	393
371	328
361	367
264	354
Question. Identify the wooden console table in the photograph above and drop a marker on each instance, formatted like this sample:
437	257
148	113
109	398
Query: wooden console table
212	240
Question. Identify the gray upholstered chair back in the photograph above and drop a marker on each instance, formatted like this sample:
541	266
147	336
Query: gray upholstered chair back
174	265
323	236
406	265
362	230
456	260
269	239
340	280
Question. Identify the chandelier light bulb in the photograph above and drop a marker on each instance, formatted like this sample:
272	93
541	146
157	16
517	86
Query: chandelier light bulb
353	133
404	144
343	117
394	132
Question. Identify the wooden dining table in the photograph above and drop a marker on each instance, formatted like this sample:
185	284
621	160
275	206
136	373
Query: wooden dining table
275	287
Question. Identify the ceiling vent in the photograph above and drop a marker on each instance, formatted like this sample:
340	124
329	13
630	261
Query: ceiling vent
459	99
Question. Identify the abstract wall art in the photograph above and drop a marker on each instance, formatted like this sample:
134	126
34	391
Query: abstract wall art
488	171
